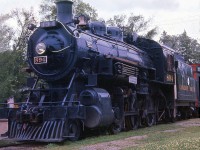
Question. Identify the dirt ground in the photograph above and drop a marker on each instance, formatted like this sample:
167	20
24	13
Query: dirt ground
189	123
112	145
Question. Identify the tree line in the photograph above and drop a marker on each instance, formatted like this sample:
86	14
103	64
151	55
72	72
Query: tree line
13	40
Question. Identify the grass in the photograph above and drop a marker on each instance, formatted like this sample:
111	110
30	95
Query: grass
177	138
106	138
185	139
159	137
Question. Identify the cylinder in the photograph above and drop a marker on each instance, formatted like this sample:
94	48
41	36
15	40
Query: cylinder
64	10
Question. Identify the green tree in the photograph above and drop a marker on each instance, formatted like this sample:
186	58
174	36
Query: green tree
12	61
48	9
117	20
169	40
23	18
133	23
12	78
81	7
6	33
187	46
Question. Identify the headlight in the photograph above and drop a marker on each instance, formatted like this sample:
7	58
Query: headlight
40	48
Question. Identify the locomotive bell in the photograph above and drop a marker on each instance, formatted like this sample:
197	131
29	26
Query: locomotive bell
64	10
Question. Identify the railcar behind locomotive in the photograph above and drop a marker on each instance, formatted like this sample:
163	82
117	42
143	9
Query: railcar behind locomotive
89	77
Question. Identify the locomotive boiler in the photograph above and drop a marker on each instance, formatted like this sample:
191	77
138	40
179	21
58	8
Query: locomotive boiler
88	76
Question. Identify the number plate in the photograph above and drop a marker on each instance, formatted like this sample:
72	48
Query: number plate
133	79
40	60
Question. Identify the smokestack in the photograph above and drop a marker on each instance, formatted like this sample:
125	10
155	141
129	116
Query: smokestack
64	10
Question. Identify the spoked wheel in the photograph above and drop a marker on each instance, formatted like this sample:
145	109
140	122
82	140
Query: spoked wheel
150	119
169	115
162	110
172	119
134	122
73	130
115	128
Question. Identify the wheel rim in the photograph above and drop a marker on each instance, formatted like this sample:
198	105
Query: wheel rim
134	122
73	130
116	128
150	119
133	119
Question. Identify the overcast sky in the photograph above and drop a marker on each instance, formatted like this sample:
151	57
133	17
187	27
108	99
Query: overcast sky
174	16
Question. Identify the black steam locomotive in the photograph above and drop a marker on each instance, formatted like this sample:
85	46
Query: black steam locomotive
90	76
